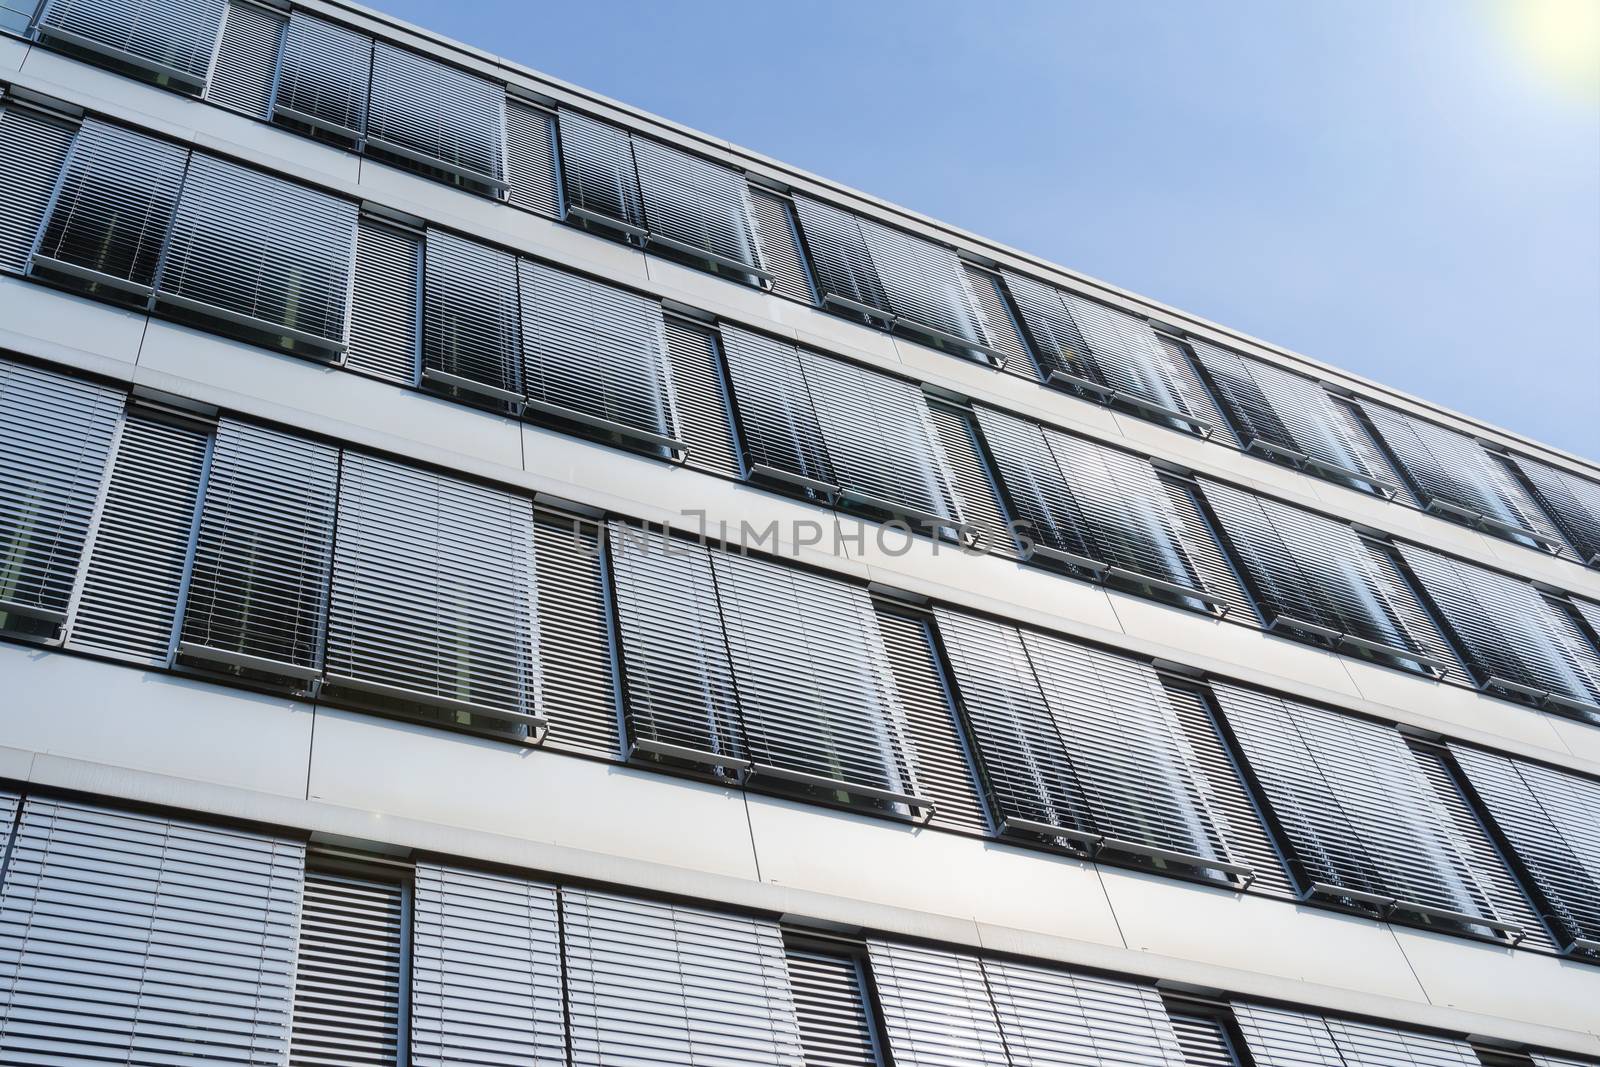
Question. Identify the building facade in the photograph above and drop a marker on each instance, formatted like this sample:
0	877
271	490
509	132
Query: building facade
489	576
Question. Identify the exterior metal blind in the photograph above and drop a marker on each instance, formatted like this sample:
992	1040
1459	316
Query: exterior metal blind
598	173
1278	1037
1004	332
486	985
171	40
832	1008
976	492
1510	636
1217	573
778	425
936	747
1057	344
678	679
1128	357
695	205
433	593
578	680
1051	1016
780	245
324	78
247	58
1312	574
936	1007
58	434
110	219
841	264
1418	621
531	158
263	253
1573	501
33	148
1290	417
1360	817
925	285
593	352
1451	472
386	306
1203	1038
1181	371
437	117
705	422
139	553
471	329
656	983
1547	817
349	976
142	939
258	591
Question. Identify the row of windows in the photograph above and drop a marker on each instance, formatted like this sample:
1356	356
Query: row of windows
144	533
319	76
245	947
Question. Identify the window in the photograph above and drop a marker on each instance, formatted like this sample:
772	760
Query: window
1317	578
1362	823
471	319
705	416
1547	818
1097	511
1083	748
531	157
1454	475
59	435
1288	417
828	980
1514	639
779	236
324	75
162	910
386	304
247	58
1280	1037
433	598
257	595
33	146
1572	501
17	15
675	984
575	635
168	41
1004	325
936	1007
438	119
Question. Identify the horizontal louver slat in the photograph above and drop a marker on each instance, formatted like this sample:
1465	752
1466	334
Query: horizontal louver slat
1052	1016
386	307
58	434
1573	501
778	426
1180	370
925	285
841	264
33	148
577	677
1036	493
170	39
1057	343
348	978
247	56
780	245
975	490
259	583
1000	325
695	202
1216	571
1128	356
831	1007
598	173
324	77
704	416
135	938
1278	1037
936	1007
433	115
531	158
471	326
1203	1038
139	554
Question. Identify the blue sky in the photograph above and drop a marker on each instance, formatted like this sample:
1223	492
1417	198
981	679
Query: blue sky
1406	188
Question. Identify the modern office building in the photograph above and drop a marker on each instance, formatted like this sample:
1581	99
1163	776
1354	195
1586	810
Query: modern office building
490	576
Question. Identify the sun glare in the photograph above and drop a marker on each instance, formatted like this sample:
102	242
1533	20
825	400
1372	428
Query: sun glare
1561	38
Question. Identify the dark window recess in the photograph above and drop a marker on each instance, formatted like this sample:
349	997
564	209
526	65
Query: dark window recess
324	80
471	321
832	1005
437	119
386	304
33	147
169	42
699	387
1001	321
531	157
1571	500
247	59
1205	1033
781	253
971	477
577	676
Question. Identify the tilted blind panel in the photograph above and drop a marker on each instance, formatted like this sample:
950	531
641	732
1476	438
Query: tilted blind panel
578	680
924	283
815	691
471	318
1205	551
695	202
936	747
598	172
1126	353
780	244
1279	1037
171	38
656	983
247	56
433	587
433	113
1057	343
139	555
705	421
531	158
593	349
386	307
272	251
1040	500
259	583
1505	627
1050	1016
777	422
832	1009
1184	376
936	1007
58	434
348	976
33	147
1203	1038
1413	615
974	486
138	938
675	660
1352	802
486	985
841	263
116	203
1026	767
1573	501
1131	759
1005	336
879	437
1548	818
324	76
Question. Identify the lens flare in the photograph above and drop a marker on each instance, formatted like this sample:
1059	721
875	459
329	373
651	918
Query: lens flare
1559	38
